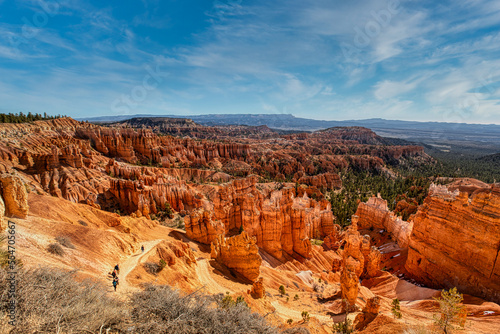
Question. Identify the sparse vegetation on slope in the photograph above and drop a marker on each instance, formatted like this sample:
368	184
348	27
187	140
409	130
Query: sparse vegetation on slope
65	241
396	309
159	309
52	301
55	249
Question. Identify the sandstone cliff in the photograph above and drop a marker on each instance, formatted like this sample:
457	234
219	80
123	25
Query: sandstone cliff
281	222
239	253
456	240
15	196
201	226
375	214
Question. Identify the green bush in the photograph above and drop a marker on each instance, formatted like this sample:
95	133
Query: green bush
228	302
162	264
281	290
396	309
305	316
316	242
343	327
241	300
346	326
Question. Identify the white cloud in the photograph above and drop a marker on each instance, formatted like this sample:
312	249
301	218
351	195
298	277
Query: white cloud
405	30
294	89
270	56
328	91
388	89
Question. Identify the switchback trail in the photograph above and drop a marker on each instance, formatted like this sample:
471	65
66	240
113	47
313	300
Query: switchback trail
203	273
128	265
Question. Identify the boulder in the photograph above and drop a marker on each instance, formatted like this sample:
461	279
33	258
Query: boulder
258	291
368	314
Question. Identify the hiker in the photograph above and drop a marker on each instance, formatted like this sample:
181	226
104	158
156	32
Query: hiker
115	282
117	269
114	274
142	248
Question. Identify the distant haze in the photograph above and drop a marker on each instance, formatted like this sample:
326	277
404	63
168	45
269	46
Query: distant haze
453	137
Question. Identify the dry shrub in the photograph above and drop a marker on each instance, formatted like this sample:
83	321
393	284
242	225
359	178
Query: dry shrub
55	249
159	309
65	241
152	268
52	301
4	254
81	222
296	330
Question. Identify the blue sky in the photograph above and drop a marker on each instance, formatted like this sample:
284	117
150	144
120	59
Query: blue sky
335	60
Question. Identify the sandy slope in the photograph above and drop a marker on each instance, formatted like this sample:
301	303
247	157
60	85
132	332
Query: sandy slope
287	313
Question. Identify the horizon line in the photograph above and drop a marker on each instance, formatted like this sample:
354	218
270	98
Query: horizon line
287	114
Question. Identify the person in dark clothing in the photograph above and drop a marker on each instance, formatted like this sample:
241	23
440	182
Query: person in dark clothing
142	248
115	282
117	269
113	273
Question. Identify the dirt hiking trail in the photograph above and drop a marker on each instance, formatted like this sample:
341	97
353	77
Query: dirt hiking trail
129	264
203	273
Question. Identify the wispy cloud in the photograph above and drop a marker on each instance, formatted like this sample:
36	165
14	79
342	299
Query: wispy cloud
389	89
420	62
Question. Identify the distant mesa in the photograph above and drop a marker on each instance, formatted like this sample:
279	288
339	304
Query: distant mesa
483	138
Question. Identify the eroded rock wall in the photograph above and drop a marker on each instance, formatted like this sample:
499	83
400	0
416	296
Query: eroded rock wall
455	241
375	213
239	253
15	196
281	222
